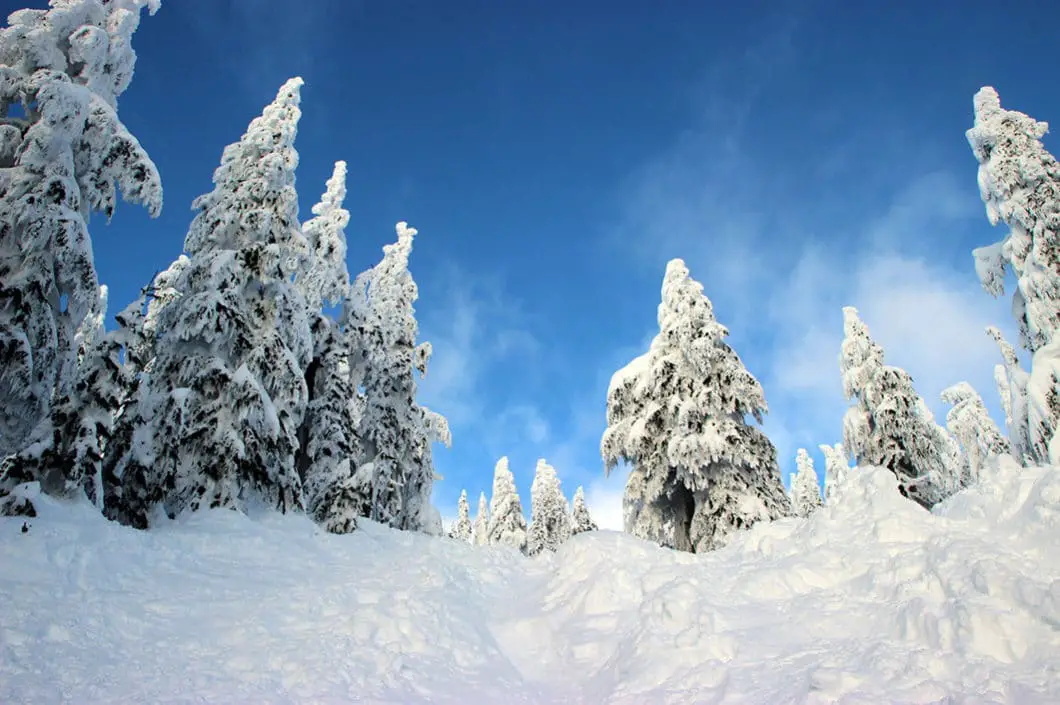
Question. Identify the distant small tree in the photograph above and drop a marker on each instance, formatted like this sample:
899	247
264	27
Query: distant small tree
835	468
805	492
461	529
971	425
507	525
581	520
550	524
480	534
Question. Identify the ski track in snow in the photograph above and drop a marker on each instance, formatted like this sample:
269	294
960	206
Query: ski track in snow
873	600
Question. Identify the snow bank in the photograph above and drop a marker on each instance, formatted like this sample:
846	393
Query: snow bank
871	600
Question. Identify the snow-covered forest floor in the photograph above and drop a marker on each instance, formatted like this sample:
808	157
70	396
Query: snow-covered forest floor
871	600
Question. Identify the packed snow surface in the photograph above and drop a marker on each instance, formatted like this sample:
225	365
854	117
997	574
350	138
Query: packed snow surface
871	600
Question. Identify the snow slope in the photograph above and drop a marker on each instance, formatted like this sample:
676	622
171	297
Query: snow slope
872	600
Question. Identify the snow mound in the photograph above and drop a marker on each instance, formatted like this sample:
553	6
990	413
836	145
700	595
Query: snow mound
870	600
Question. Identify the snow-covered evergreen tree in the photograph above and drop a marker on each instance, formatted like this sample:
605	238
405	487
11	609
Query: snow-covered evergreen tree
507	525
677	416
1019	182
461	529
580	519
971	425
805	492
889	425
325	277
1012	383
480	533
395	432
227	390
835	468
550	522
68	157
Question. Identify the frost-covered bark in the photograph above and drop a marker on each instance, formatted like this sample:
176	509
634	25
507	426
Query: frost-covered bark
835	468
580	519
550	524
325	277
805	492
68	157
507	525
971	425
395	432
226	391
889	425
461	529
1019	182
677	415
480	533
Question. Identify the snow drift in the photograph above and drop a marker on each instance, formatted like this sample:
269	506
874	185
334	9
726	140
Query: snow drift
872	599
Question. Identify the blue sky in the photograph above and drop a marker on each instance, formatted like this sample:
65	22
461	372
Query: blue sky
799	156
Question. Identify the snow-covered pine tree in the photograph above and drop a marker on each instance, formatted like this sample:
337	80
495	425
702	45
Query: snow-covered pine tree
68	157
805	493
1019	182
677	415
971	425
461	528
227	391
480	533
325	278
395	432
889	425
1012	381
580	519
835	468
507	525
550	523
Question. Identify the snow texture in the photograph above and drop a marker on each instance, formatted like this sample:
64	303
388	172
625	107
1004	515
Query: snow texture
550	523
805	492
507	525
1019	182
581	521
958	606
68	157
678	416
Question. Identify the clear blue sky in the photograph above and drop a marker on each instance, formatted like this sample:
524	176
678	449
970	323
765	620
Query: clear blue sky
799	156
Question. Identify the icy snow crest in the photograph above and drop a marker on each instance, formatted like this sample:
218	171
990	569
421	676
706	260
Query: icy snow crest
873	599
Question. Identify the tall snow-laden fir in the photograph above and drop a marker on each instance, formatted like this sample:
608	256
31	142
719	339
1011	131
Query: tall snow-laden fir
395	469
677	415
805	492
580	519
889	425
835	468
480	533
328	445
507	525
461	528
550	524
69	156
971	425
227	391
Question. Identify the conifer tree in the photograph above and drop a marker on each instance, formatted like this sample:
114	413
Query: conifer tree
677	415
395	432
550	524
69	156
581	520
889	425
805	492
227	391
461	529
835	468
971	425
507	525
480	534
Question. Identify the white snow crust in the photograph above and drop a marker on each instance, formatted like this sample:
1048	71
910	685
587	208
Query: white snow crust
871	600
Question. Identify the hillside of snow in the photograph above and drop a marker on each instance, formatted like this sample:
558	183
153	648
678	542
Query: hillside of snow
872	600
